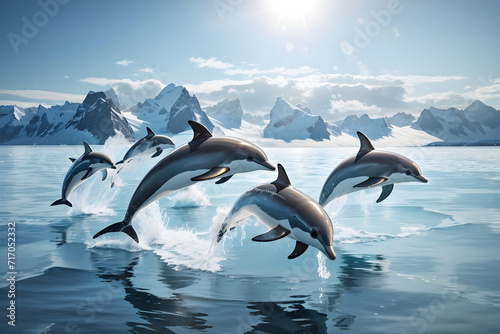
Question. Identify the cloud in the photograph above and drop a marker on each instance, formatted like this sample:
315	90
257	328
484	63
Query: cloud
351	106
485	92
147	70
22	104
129	91
275	70
124	62
43	95
211	62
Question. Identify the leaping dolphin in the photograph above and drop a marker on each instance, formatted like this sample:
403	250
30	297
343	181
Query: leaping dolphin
82	168
287	212
369	168
203	158
152	144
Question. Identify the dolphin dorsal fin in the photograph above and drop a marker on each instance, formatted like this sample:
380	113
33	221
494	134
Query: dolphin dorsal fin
87	148
150	132
282	179
365	143
200	131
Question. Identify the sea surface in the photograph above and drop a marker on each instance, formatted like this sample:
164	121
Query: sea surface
426	260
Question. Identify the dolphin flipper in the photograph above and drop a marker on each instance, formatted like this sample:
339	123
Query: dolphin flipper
72	159
211	174
372	181
157	153
386	191
300	248
62	201
119	227
88	174
276	233
224	179
104	173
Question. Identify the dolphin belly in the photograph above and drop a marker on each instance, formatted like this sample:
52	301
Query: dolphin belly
345	187
240	215
177	182
73	182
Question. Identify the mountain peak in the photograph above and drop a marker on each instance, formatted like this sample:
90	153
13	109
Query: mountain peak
92	97
167	89
288	122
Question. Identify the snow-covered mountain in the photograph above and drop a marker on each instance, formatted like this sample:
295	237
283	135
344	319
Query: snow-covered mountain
12	120
374	128
400	119
111	94
289	122
227	112
94	121
171	110
477	123
99	115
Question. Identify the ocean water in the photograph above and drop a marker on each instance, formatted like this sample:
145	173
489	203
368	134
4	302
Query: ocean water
426	260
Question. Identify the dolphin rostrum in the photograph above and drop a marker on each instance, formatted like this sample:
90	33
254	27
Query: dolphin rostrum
82	168
203	158
152	144
287	212
369	168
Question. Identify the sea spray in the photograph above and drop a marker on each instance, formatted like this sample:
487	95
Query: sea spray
93	197
217	222
176	246
179	247
190	197
322	271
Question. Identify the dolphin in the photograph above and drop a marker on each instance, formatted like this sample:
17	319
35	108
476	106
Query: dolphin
82	168
287	212
152	144
203	158
369	168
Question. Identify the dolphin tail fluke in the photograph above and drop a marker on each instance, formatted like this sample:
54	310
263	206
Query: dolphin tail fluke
119	227
62	201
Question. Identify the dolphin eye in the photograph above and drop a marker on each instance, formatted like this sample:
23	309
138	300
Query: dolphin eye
249	158
314	233
102	161
408	172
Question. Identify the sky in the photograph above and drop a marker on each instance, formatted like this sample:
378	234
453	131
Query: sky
335	57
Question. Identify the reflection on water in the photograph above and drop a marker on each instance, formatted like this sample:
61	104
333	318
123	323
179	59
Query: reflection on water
300	316
157	312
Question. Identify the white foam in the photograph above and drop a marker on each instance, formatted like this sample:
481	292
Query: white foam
190	197
92	197
179	247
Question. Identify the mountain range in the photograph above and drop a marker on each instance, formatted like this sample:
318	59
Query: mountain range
101	116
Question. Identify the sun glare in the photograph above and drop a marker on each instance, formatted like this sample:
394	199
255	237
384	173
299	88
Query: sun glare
292	11
292	8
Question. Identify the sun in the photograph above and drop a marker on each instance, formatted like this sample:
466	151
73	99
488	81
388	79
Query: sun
293	11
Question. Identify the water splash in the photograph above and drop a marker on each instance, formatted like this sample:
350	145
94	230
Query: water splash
178	247
322	271
191	197
93	197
